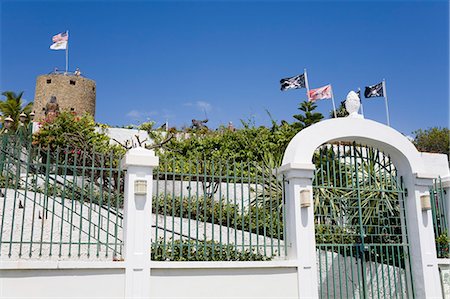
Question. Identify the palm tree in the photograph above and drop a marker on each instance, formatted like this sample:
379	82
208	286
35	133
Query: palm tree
340	112
13	106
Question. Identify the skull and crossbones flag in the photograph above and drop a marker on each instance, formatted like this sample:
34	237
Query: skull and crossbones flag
374	91
293	82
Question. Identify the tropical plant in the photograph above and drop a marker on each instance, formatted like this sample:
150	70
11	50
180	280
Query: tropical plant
269	194
353	184
12	106
308	117
341	111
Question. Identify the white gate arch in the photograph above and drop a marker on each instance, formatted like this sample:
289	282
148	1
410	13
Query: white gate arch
417	169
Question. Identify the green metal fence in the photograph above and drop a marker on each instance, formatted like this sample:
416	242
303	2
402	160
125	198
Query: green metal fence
63	203
217	210
59	203
361	237
439	210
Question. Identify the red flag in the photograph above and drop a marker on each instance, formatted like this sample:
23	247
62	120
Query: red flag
320	93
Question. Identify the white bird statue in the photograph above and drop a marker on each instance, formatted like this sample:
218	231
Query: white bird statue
352	104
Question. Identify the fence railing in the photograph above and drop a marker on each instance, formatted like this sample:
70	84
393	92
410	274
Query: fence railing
59	203
440	220
217	210
63	203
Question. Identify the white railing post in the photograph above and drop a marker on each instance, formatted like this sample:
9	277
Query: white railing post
300	234
139	163
422	245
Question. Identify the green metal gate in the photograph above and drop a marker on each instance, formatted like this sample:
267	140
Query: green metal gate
361	237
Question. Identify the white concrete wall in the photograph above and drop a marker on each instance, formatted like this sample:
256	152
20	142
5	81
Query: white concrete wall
62	283
167	280
224	283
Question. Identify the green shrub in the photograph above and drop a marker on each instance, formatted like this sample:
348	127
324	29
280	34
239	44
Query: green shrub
192	250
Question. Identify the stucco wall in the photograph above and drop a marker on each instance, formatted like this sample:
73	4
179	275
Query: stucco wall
62	283
224	283
173	282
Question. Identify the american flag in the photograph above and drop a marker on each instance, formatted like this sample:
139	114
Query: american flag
60	37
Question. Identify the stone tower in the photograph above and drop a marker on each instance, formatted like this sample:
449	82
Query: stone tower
64	92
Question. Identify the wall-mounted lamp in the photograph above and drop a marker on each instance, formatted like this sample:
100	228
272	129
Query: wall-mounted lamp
22	118
140	187
32	114
8	122
425	202
305	198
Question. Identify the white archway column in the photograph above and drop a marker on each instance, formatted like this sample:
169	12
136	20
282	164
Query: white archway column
300	235
422	248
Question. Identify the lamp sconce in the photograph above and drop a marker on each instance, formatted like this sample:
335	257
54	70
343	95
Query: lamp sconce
425	202
140	187
305	198
8	122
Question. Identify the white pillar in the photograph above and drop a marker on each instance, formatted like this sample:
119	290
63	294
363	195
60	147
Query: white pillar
300	235
139	163
424	264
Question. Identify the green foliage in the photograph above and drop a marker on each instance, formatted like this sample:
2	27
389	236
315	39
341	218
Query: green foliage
308	117
255	219
72	141
9	182
333	234
147	126
336	193
192	250
433	140
270	194
13	106
247	144
442	244
70	130
340	111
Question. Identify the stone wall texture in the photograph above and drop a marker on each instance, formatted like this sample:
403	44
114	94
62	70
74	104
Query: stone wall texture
73	93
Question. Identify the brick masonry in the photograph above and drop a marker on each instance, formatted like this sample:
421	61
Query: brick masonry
73	93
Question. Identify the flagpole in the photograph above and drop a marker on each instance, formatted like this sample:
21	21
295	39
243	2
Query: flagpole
307	84
332	99
359	95
386	102
67	51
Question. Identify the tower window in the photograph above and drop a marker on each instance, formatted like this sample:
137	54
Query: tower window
72	109
49	81
72	82
93	88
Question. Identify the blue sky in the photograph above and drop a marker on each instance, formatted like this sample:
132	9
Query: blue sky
172	60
